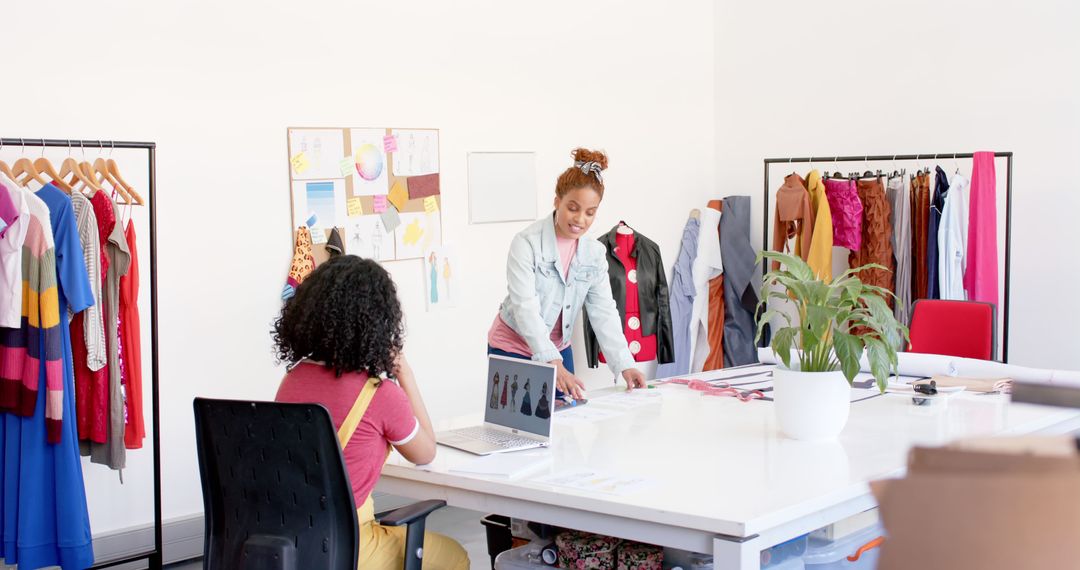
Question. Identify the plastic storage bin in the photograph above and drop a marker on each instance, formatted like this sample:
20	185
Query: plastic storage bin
499	538
521	558
776	556
857	551
675	559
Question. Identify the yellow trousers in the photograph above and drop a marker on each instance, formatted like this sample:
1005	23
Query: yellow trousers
383	547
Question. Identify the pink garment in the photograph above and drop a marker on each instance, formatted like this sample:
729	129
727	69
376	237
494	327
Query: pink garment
981	273
389	417
502	337
847	213
8	211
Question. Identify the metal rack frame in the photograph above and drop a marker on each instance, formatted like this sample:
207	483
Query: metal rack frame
1008	156
153	557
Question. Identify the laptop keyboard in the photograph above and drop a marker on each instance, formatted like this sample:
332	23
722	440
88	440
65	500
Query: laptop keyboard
494	437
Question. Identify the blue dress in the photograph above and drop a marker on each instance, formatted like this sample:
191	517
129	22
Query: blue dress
43	492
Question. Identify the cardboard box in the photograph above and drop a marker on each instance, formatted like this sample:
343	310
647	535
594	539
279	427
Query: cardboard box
1006	503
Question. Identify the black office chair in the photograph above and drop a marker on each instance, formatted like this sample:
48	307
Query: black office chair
276	494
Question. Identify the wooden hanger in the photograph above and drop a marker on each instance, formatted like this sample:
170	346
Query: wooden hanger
114	169
102	169
24	166
43	166
695	214
71	166
88	173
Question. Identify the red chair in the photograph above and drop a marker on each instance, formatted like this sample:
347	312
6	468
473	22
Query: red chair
966	329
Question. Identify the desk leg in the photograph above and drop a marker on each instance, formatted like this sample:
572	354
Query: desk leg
732	555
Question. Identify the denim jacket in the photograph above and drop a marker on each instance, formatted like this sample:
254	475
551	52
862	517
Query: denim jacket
538	293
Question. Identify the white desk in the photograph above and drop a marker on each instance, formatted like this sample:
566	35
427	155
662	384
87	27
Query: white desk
726	481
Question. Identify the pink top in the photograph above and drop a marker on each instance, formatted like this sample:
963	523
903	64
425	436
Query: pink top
847	213
9	212
502	337
389	418
981	272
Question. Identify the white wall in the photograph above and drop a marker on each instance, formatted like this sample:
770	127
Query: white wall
215	84
848	77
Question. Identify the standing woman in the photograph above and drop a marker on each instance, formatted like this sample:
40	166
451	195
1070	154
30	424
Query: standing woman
551	273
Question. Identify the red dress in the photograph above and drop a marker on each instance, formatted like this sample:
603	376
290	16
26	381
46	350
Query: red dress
130	338
643	348
92	387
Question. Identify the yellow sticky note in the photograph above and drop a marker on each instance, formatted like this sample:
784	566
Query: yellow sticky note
299	163
399	195
354	207
430	205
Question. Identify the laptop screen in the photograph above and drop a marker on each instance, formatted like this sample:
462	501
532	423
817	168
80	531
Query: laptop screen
520	394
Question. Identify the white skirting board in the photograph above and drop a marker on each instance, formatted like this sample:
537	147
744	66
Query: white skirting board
183	538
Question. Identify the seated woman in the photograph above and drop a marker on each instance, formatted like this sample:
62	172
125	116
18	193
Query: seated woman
343	333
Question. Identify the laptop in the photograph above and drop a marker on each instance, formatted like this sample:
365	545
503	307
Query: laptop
518	404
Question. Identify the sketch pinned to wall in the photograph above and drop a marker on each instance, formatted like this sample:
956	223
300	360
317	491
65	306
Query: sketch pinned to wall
366	236
440	278
392	185
320	152
417	152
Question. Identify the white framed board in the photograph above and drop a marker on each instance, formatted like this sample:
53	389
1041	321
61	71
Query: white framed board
502	187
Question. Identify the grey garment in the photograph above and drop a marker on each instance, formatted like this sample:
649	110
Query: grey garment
740	297
682	302
112	452
93	322
898	194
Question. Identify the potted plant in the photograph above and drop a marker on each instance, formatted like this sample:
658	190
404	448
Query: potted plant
820	351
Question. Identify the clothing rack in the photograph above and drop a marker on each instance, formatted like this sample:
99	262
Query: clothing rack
153	557
1008	156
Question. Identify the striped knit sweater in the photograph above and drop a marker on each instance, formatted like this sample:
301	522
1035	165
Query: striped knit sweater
22	350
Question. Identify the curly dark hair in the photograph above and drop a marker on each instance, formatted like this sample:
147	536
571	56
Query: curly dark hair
346	314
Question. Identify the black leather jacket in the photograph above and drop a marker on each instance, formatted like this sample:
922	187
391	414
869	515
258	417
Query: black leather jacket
652	296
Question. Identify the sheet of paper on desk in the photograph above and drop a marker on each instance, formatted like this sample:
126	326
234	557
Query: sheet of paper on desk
734	375
510	465
593	481
626	401
587	413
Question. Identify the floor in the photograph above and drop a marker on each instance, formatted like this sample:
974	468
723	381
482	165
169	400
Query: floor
459	524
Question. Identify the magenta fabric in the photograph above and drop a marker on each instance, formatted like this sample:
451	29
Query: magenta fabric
847	213
981	274
8	211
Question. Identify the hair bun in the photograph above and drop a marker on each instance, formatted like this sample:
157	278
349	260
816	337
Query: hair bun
586	155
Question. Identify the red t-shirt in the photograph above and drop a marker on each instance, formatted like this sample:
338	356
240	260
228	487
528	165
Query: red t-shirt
389	418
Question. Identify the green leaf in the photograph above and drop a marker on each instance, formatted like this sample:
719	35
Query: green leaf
849	349
782	342
877	352
765	318
791	263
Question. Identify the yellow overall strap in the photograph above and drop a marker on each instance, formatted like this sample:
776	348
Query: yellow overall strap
363	400
365	512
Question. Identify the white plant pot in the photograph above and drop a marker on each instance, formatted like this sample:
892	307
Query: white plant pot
811	406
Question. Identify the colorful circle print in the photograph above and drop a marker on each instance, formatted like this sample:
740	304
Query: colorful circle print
369	162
